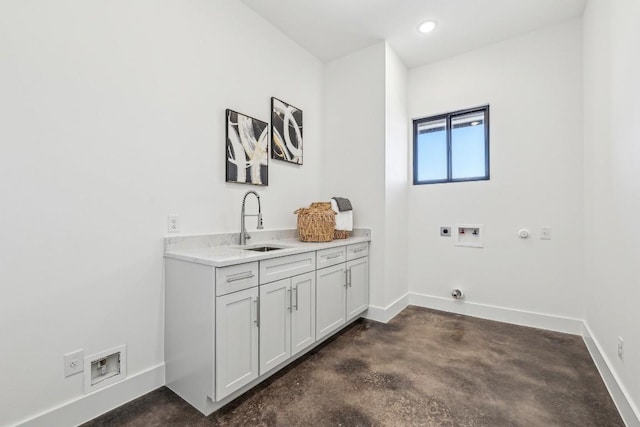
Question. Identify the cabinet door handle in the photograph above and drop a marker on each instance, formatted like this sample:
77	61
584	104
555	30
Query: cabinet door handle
346	278
236	278
257	321
290	299
296	297
334	256
349	271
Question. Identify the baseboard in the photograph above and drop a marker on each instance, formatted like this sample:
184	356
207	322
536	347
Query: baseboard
628	410
508	315
89	406
380	314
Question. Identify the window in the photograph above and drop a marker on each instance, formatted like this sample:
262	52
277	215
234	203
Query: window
451	147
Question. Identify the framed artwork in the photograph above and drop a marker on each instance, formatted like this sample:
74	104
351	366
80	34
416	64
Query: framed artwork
247	149
286	132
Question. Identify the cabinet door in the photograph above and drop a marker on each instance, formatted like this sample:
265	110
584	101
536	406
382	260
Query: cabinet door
303	314
358	287
330	299
236	341
275	324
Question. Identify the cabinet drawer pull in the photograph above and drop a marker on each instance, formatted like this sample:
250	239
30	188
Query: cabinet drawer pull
290	299
296	306
235	279
359	250
334	256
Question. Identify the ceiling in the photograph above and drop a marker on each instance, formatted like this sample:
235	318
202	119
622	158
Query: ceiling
329	29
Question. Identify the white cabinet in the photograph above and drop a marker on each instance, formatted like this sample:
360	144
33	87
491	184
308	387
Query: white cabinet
228	326
330	299
342	291
357	287
275	324
287	319
236	341
303	312
287	266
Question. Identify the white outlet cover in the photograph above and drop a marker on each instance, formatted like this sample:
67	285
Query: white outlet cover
173	224
620	348
73	363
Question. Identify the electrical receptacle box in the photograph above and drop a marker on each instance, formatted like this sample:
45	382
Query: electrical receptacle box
105	368
73	363
470	235
621	348
173	224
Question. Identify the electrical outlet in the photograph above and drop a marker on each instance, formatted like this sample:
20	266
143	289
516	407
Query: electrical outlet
173	224
73	363
620	348
545	233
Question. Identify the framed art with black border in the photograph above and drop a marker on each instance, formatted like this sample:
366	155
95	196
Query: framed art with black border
247	149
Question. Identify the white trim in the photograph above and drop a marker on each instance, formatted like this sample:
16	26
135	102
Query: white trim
387	313
627	409
92	405
501	314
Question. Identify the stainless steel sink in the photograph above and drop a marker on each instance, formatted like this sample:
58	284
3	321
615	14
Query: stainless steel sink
263	248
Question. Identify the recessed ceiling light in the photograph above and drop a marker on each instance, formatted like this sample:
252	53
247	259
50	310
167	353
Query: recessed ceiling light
427	27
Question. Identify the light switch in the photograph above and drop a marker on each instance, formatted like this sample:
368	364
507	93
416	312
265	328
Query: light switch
545	233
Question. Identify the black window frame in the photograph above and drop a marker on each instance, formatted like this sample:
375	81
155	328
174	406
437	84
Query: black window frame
448	117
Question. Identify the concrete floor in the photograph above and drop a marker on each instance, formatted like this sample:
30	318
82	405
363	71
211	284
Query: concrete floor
426	368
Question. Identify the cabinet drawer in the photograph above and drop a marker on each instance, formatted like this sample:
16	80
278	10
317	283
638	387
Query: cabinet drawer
358	250
236	278
329	257
286	266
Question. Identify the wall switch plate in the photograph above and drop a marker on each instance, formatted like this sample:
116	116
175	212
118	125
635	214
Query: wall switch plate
545	233
620	348
445	231
73	363
173	224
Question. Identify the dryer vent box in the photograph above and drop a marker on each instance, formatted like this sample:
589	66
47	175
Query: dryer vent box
105	368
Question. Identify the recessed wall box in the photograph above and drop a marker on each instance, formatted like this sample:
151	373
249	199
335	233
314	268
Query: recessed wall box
105	368
470	235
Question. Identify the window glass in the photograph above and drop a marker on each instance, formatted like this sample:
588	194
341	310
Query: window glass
432	151
468	146
451	147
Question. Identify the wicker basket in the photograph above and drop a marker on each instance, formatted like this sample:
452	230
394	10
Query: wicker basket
337	234
341	234
316	223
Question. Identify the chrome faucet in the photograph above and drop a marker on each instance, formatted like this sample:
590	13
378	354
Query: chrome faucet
243	231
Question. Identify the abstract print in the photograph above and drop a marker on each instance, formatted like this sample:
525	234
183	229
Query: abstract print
286	132
247	149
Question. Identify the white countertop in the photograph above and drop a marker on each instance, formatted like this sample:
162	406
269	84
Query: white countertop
225	255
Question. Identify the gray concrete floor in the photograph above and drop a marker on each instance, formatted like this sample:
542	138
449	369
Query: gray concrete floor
426	368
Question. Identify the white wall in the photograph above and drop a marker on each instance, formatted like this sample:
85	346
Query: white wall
612	185
366	158
533	86
354	147
113	118
396	177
